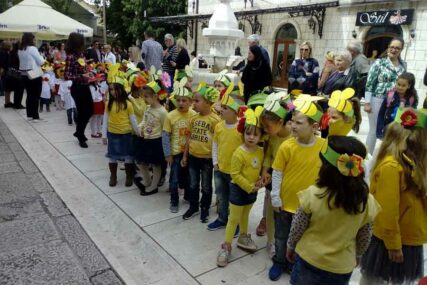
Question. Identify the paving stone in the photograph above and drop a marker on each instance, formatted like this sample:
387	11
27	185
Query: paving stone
26	232
9	167
49	264
15	146
9	138
106	278
20	210
83	247
54	204
6	132
16	187
28	166
7	157
4	148
39	183
20	155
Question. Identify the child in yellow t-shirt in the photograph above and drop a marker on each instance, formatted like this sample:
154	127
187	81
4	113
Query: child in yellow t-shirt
245	170
150	153
399	184
225	141
119	121
199	150
333	224
175	131
295	167
276	124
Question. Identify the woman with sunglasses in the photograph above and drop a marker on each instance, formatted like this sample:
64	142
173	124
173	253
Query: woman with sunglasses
304	72
381	78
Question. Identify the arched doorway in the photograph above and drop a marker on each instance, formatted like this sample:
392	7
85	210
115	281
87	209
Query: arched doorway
284	54
378	38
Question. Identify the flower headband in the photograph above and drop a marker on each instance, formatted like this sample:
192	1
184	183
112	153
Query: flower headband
305	104
223	78
250	118
411	118
347	165
209	93
340	101
228	100
273	103
153	85
187	72
180	89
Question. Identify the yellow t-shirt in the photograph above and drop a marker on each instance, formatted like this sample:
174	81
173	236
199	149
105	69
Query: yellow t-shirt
139	107
403	220
201	134
228	140
300	165
273	144
246	167
152	123
329	242
178	125
119	122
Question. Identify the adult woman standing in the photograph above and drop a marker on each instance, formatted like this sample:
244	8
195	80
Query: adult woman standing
60	54
30	59
256	74
182	58
75	70
343	77
304	72
381	78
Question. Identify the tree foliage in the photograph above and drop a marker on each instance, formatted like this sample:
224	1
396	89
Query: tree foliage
62	6
126	18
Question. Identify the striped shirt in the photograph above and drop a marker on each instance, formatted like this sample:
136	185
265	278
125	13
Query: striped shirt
173	53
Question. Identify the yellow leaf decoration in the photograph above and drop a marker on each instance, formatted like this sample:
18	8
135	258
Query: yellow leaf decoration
340	101
81	61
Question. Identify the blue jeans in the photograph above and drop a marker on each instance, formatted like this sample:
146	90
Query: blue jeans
72	115
179	176
304	273
282	224
222	190
200	168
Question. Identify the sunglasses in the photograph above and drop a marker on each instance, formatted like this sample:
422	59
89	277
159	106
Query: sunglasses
304	49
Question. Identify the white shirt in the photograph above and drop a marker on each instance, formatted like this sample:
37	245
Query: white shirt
110	58
29	58
96	93
46	86
65	93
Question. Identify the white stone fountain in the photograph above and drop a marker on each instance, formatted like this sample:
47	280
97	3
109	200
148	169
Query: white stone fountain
223	37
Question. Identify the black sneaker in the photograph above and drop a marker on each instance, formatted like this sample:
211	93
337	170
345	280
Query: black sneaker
191	212
204	215
83	144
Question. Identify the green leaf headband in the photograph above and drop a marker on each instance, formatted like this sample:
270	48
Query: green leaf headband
224	79
257	99
180	74
230	102
273	104
154	86
347	165
411	118
209	93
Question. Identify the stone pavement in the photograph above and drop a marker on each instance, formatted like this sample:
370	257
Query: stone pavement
41	242
138	236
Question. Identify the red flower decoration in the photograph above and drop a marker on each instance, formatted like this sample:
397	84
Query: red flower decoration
241	125
242	110
409	118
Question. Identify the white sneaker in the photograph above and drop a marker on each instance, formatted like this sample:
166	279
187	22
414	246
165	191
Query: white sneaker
245	242
223	255
271	249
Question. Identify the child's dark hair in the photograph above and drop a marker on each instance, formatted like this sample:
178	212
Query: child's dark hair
411	92
251	129
120	97
347	192
357	114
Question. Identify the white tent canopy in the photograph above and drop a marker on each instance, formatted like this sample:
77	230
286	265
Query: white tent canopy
38	18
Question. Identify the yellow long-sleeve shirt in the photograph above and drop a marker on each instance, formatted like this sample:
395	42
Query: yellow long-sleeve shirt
246	167
403	219
228	139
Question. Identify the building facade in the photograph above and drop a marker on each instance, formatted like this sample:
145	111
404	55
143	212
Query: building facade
327	25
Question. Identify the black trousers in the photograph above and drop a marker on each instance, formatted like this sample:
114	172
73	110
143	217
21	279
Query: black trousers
84	104
34	89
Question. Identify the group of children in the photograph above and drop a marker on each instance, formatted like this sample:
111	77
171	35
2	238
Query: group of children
320	212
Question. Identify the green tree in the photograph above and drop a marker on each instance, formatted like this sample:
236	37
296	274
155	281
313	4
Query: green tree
62	6
128	19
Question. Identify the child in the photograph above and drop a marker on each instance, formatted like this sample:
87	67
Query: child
403	95
47	88
199	147
295	168
222	83
225	141
343	113
275	120
59	69
399	184
150	153
175	130
98	110
245	169
64	94
333	224
119	120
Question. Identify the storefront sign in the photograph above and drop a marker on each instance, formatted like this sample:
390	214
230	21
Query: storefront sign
385	18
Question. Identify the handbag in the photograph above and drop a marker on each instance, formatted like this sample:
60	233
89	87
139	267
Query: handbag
35	73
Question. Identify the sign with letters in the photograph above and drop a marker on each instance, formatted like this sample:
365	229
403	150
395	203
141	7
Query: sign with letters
385	18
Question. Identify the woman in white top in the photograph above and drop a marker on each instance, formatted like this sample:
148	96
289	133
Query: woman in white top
30	59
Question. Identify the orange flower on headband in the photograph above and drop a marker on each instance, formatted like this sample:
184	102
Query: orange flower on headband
350	165
140	81
409	118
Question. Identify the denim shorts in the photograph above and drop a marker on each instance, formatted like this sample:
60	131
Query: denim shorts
240	197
